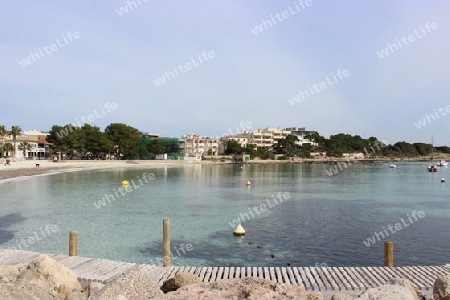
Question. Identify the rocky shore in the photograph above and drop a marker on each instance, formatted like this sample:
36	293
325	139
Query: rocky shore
45	278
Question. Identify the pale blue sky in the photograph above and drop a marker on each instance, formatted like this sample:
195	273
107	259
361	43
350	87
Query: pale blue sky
251	77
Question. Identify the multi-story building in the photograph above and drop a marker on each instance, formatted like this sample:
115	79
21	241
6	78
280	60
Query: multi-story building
197	145
38	149
301	133
242	140
266	137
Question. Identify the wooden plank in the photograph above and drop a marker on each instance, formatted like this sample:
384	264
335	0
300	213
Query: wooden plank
278	273
220	273
346	284
311	279
260	272
254	272
336	277
238	273
284	275
420	278
231	273
380	275
291	276
357	278
248	272
330	279
266	273
272	274
298	278
243	272
202	274
324	284
305	279
375	282
348	275
317	278
213	274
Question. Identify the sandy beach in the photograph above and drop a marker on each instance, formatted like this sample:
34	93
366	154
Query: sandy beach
29	168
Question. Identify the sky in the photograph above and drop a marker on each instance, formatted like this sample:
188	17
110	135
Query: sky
108	70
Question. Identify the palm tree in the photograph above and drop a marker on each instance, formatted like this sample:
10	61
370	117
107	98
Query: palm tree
8	147
3	132
15	131
24	146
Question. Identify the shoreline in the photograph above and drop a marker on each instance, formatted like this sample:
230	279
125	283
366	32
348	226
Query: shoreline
21	170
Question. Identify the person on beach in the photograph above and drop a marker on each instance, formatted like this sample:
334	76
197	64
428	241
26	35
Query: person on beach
7	162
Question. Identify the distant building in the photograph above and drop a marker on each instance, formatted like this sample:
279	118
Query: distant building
39	147
301	133
195	145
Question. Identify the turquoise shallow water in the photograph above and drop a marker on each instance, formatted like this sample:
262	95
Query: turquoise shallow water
325	220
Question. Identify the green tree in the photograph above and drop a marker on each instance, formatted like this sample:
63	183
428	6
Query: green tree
92	142
155	147
233	147
3	133
127	138
24	147
287	146
8	147
15	131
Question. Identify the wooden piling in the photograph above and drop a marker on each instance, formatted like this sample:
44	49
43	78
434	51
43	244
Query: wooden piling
389	254
73	243
166	242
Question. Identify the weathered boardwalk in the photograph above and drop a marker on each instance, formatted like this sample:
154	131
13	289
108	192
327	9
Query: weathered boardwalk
316	279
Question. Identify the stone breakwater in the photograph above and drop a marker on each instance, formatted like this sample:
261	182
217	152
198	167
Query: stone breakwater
46	278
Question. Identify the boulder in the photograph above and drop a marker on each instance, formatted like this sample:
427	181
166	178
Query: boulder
441	288
17	291
180	280
132	285
242	288
388	292
51	276
405	283
8	274
94	287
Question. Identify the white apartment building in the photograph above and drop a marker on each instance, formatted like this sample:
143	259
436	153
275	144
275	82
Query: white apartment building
39	148
197	145
301	133
265	137
242	140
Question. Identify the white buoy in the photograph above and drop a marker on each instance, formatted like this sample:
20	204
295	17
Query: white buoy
442	180
239	230
248	182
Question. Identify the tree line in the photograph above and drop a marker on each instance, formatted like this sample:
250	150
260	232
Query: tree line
335	146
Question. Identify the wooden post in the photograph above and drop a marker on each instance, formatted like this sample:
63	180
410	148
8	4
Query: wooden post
73	243
389	254
166	242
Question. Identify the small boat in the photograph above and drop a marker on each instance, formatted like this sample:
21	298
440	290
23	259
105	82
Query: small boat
442	163
393	166
432	168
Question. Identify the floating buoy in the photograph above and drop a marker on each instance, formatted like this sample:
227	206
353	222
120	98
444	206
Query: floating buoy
125	182
248	182
239	230
442	180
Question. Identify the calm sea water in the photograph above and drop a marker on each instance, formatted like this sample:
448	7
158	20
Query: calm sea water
325	220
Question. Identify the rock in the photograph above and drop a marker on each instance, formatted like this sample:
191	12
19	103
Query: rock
94	287
133	285
242	288
388	292
51	276
8	274
16	291
441	288
180	280
405	283
341	297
